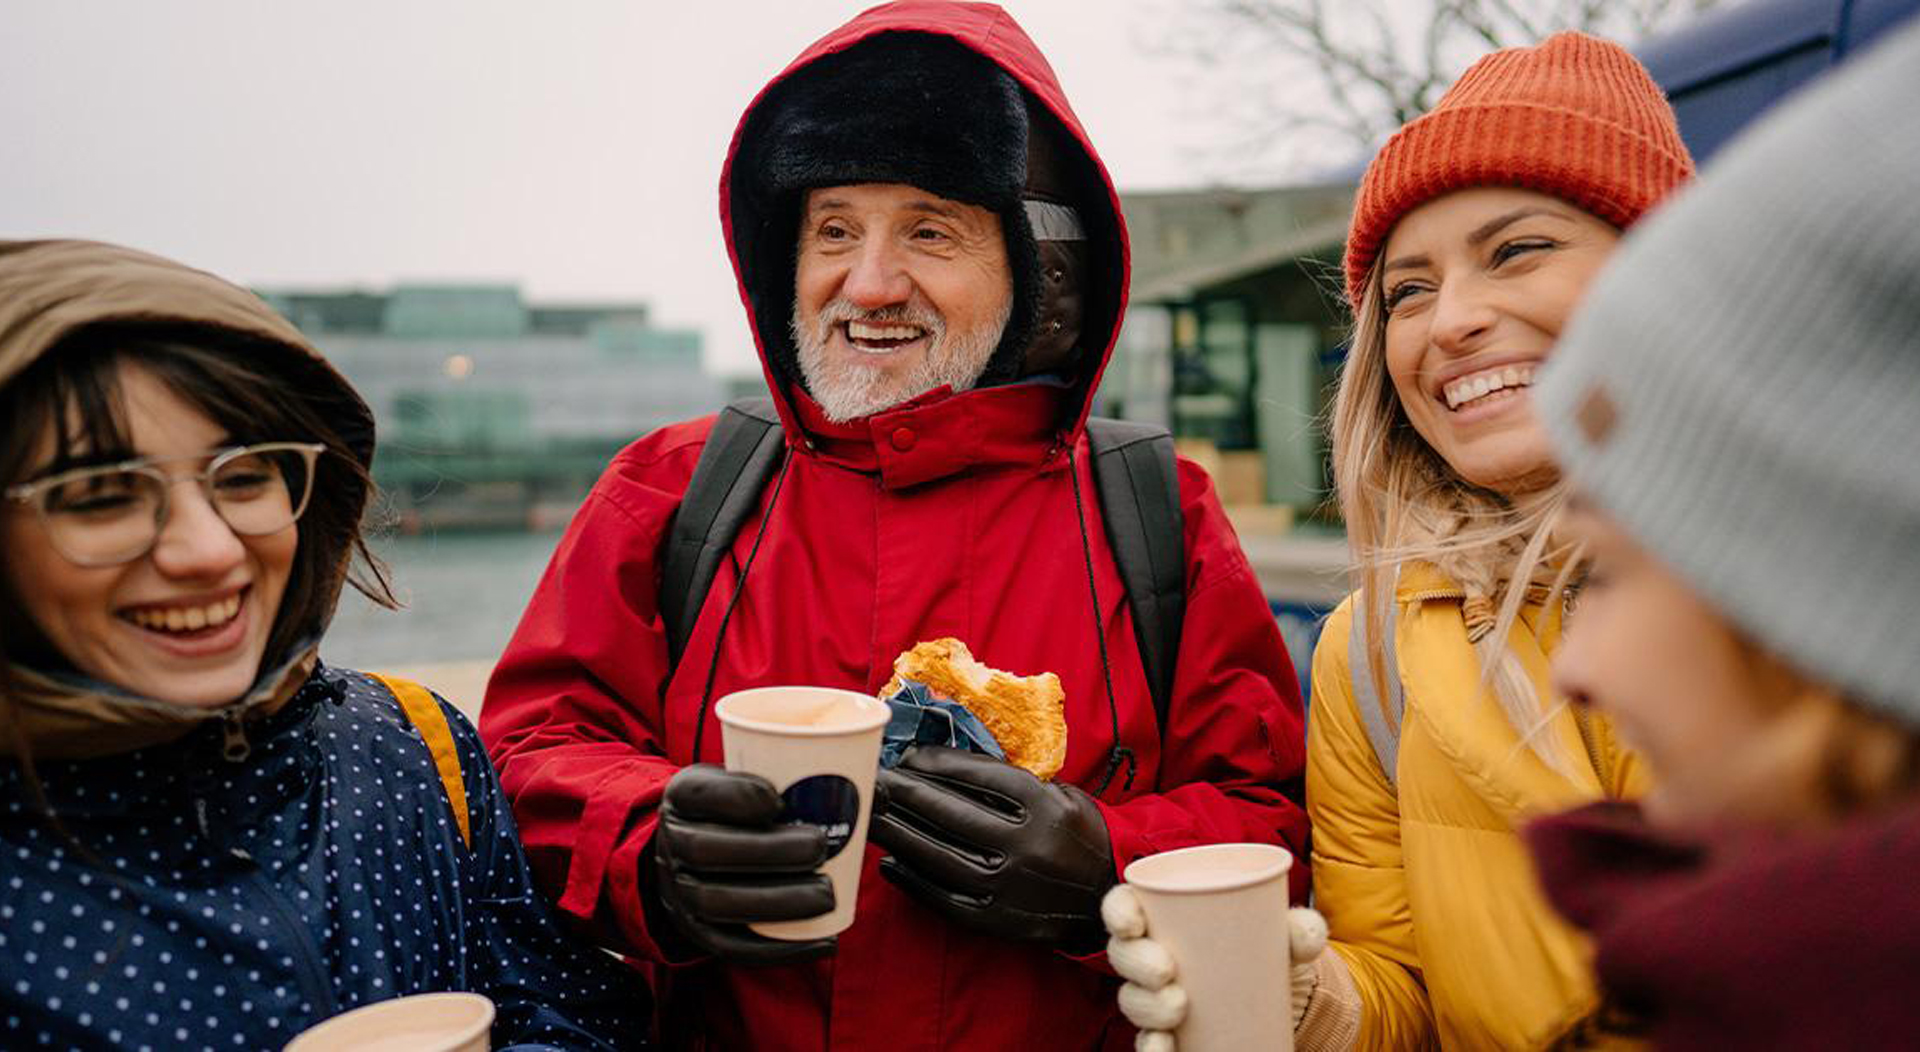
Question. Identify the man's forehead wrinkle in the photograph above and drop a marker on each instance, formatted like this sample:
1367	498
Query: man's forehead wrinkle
937	207
934	205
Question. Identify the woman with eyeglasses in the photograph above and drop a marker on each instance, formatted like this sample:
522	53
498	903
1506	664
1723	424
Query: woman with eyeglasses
208	838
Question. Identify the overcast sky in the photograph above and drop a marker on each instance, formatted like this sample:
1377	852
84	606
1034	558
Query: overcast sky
572	146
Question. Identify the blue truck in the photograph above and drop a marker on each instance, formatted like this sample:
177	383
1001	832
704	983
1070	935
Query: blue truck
1733	64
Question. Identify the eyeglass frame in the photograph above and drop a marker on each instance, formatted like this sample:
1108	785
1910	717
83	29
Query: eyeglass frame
26	492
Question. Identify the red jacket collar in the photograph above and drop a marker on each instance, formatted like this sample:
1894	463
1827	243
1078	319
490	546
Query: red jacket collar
941	433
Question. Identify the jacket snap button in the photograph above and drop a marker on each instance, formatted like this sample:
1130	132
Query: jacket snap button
903	438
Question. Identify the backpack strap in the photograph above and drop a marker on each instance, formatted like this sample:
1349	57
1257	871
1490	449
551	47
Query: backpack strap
1139	489
428	719
740	456
1380	716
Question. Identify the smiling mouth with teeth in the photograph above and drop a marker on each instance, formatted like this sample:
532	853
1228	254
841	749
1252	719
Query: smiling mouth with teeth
1469	390
177	620
879	338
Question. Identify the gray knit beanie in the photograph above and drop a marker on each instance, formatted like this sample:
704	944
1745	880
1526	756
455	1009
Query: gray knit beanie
1741	388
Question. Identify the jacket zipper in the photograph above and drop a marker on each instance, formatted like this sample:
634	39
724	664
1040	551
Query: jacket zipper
1596	757
234	746
306	956
308	969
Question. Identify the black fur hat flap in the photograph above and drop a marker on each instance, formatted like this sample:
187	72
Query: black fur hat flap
910	108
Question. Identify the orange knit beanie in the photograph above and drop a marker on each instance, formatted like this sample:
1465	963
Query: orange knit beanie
1576	117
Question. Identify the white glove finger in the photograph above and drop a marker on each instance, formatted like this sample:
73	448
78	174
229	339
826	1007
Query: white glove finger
1153	1041
1304	979
1141	961
1161	1009
1120	911
1306	933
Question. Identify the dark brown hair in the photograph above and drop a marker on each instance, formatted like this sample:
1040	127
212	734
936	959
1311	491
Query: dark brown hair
258	391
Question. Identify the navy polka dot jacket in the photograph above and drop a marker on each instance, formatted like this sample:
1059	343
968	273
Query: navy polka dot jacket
195	903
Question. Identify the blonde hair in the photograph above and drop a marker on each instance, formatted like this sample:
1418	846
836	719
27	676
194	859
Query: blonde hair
1829	756
1403	503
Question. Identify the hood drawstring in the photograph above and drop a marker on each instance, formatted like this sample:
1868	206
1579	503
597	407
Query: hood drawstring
1119	753
739	587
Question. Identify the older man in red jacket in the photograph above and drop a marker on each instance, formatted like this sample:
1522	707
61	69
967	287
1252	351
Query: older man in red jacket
934	264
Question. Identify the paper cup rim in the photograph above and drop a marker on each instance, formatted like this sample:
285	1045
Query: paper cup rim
312	1035
1140	873
874	718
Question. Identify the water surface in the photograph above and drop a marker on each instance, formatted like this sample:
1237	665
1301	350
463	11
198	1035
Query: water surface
464	593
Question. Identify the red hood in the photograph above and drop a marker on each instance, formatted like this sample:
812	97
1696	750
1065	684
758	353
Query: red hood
990	31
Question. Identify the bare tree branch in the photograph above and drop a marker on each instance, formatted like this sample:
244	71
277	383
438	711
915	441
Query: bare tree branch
1318	79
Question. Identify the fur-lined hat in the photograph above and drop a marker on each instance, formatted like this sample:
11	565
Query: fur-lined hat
913	108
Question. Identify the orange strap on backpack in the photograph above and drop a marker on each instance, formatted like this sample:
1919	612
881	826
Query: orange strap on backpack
425	715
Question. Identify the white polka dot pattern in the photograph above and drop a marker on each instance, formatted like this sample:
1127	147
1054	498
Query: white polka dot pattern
196	904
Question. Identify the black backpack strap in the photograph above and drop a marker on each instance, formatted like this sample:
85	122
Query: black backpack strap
1133	470
740	456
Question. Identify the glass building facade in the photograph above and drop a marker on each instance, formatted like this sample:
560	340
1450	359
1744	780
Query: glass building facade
494	412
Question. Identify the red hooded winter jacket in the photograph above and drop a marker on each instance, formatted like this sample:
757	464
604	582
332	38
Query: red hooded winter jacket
950	515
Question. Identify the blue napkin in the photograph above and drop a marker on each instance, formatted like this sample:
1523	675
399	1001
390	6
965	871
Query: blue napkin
921	717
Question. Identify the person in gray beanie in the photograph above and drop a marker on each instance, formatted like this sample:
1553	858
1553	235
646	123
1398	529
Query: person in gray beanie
1738	408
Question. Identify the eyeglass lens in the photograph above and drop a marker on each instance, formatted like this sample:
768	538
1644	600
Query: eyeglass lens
114	515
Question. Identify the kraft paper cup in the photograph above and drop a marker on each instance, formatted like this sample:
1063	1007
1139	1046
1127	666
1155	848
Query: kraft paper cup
819	746
1221	911
444	1022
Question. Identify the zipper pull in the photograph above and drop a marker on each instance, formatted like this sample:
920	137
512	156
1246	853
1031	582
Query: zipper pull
235	747
238	854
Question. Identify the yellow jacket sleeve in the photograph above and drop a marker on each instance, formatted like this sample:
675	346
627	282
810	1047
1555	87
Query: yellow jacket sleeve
1359	882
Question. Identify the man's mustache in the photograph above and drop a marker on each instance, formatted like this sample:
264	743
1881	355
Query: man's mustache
839	312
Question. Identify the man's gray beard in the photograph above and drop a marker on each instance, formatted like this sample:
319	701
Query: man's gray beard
852	390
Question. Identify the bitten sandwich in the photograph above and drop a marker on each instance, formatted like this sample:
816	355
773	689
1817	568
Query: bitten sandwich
1027	714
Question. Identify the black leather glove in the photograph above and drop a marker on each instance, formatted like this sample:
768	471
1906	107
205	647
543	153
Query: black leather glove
990	846
723	860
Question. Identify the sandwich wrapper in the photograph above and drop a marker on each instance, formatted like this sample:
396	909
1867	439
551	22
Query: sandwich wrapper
921	717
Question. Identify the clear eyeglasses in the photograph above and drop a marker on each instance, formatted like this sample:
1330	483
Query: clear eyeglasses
112	514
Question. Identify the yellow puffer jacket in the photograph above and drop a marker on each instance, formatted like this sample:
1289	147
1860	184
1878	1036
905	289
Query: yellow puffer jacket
1424	882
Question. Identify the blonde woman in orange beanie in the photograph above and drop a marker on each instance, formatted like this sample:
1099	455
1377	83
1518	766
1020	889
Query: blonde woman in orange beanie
1434	734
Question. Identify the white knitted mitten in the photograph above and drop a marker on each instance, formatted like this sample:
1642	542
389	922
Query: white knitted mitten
1152	1000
